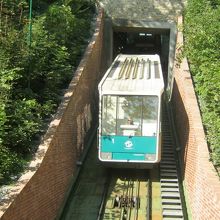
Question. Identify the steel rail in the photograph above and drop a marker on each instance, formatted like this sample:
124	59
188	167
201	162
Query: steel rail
148	199
137	199
104	196
125	195
131	196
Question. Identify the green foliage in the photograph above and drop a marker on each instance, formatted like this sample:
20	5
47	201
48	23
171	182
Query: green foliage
60	22
202	47
24	122
69	24
32	77
10	164
6	84
50	67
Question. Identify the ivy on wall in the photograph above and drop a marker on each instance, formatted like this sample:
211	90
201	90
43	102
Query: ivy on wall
202	47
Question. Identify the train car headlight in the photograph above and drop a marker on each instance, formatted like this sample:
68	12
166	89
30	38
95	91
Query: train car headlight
150	157
106	155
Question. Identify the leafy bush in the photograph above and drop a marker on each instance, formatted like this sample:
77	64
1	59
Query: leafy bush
32	77
202	47
10	164
24	123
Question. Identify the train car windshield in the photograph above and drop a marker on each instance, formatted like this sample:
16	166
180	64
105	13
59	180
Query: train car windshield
129	115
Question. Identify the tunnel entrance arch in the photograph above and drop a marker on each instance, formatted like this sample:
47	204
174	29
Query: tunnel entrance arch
139	37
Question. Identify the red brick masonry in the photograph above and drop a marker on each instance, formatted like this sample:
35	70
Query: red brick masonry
40	191
202	184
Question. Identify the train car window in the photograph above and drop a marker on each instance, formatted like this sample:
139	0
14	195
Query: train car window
150	115
129	115
109	115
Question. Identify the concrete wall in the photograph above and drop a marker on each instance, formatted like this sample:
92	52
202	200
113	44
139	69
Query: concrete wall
202	185
40	191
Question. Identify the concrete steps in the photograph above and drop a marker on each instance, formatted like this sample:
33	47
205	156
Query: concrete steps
170	194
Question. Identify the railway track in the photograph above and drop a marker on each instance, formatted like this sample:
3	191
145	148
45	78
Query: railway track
127	196
100	193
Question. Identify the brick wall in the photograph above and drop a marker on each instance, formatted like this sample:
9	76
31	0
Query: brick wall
40	191
202	184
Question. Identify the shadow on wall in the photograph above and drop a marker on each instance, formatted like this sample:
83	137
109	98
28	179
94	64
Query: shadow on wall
181	122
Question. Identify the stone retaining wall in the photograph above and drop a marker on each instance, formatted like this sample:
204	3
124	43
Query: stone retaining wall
40	191
202	185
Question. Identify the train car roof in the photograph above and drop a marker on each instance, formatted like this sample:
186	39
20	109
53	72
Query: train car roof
133	75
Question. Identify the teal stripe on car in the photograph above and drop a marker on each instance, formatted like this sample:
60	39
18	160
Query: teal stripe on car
125	144
127	156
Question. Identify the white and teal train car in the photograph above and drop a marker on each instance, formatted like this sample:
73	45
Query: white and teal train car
130	94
